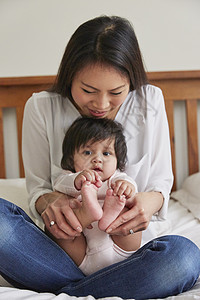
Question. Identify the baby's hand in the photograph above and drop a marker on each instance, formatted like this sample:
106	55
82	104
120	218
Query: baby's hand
123	187
87	175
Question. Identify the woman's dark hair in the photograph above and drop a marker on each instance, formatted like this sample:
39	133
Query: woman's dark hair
104	40
86	129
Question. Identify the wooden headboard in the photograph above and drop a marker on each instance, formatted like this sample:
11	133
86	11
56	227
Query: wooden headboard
176	86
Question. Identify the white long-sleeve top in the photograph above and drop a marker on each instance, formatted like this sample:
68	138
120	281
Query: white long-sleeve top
47	117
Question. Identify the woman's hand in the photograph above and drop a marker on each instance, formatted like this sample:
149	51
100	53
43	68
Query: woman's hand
138	215
58	207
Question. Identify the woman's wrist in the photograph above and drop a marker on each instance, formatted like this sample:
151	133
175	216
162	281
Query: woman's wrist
43	201
156	199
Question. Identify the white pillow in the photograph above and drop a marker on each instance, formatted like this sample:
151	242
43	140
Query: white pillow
189	194
14	190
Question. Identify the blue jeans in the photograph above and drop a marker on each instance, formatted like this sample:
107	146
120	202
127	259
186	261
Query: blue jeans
29	259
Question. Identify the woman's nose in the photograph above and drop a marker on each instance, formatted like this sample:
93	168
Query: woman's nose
102	102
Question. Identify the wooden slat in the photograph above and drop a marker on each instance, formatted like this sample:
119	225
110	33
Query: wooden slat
19	115
14	92
174	75
169	104
179	89
16	95
29	80
192	135
2	158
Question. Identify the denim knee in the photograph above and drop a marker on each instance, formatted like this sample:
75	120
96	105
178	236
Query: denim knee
189	262
183	263
6	226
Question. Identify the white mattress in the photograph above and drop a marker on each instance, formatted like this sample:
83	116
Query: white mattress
180	221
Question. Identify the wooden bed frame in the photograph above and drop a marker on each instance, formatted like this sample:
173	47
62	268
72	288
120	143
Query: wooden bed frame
176	86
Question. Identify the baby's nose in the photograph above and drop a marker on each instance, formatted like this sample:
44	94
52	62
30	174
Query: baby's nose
97	159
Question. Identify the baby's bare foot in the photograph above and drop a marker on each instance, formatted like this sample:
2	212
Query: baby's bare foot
112	207
90	210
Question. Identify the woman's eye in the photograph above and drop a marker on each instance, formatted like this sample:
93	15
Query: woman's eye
86	91
115	94
87	152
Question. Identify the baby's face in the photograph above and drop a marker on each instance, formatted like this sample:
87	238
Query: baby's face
99	156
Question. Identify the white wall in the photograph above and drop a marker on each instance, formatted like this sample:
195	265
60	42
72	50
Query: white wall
34	33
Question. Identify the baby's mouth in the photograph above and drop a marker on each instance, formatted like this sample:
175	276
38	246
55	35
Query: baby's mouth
98	169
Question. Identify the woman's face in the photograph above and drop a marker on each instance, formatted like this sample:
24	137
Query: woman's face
98	91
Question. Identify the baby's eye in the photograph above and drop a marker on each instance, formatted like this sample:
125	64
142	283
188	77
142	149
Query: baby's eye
106	153
87	152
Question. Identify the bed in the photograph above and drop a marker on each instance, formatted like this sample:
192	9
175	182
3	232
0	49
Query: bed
181	91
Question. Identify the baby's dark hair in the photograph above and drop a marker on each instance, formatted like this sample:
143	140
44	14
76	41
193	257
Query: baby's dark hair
86	129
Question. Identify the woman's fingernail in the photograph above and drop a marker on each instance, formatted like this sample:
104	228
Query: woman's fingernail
109	230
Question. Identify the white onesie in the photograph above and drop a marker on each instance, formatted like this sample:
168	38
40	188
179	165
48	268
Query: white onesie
101	250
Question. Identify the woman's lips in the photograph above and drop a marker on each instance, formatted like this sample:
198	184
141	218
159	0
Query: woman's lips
96	113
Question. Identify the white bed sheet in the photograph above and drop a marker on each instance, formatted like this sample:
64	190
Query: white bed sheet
180	221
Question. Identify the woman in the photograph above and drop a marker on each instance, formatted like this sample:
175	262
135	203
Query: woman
101	75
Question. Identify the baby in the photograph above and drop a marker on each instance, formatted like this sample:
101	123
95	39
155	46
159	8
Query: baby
94	156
